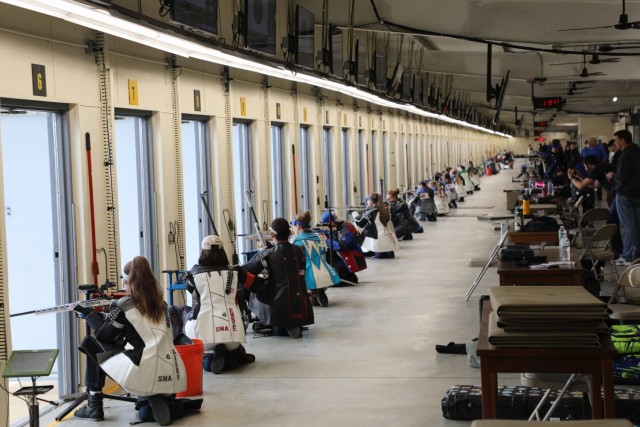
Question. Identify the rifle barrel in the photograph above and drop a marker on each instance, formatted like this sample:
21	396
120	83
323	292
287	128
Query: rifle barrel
96	302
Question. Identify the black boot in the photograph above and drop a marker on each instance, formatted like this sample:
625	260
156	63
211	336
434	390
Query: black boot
243	356
322	298
93	411
219	356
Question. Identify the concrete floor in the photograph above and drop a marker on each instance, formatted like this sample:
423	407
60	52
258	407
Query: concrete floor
369	360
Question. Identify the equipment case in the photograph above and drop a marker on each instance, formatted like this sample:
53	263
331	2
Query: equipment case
464	402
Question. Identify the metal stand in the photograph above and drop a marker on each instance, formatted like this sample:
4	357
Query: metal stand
536	412
179	284
34	408
504	230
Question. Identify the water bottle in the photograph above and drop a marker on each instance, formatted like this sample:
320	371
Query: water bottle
526	206
518	221
561	232
565	249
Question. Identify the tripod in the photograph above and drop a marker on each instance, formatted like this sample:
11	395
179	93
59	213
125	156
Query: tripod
89	290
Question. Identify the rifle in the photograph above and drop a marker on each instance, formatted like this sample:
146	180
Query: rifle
231	229
206	205
90	303
101	301
256	223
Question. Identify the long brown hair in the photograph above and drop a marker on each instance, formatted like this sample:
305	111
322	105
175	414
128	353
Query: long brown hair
144	289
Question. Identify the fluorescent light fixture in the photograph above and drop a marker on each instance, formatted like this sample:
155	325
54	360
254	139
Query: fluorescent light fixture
615	99
100	19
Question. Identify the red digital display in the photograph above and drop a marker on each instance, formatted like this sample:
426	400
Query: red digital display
541	139
540	124
548	102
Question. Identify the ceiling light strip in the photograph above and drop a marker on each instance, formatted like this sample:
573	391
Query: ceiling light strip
100	19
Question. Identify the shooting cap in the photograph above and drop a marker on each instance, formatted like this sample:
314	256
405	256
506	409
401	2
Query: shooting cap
328	217
210	241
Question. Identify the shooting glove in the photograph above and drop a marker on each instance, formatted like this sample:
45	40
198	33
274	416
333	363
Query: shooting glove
82	312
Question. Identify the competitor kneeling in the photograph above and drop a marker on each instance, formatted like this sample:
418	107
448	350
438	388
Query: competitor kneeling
282	301
152	368
215	317
347	256
378	228
319	275
401	216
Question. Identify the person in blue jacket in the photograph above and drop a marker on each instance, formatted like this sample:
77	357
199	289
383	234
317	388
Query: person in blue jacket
594	149
319	274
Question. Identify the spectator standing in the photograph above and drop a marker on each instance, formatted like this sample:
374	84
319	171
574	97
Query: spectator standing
627	198
594	149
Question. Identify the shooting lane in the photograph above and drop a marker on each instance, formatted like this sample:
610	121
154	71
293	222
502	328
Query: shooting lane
117	77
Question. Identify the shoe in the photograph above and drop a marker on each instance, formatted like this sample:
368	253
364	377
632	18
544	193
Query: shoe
243	356
321	297
452	348
219	354
259	327
295	332
313	299
621	261
160	409
369	254
93	411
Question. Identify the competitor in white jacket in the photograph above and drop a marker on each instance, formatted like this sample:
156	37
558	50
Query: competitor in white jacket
215	317
378	228
150	366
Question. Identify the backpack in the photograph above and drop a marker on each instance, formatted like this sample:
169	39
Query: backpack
542	223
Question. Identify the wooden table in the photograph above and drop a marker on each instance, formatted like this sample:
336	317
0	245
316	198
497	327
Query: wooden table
512	274
532	237
597	362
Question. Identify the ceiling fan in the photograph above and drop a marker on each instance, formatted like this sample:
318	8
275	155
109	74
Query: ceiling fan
595	59
584	73
623	23
610	48
573	90
579	82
